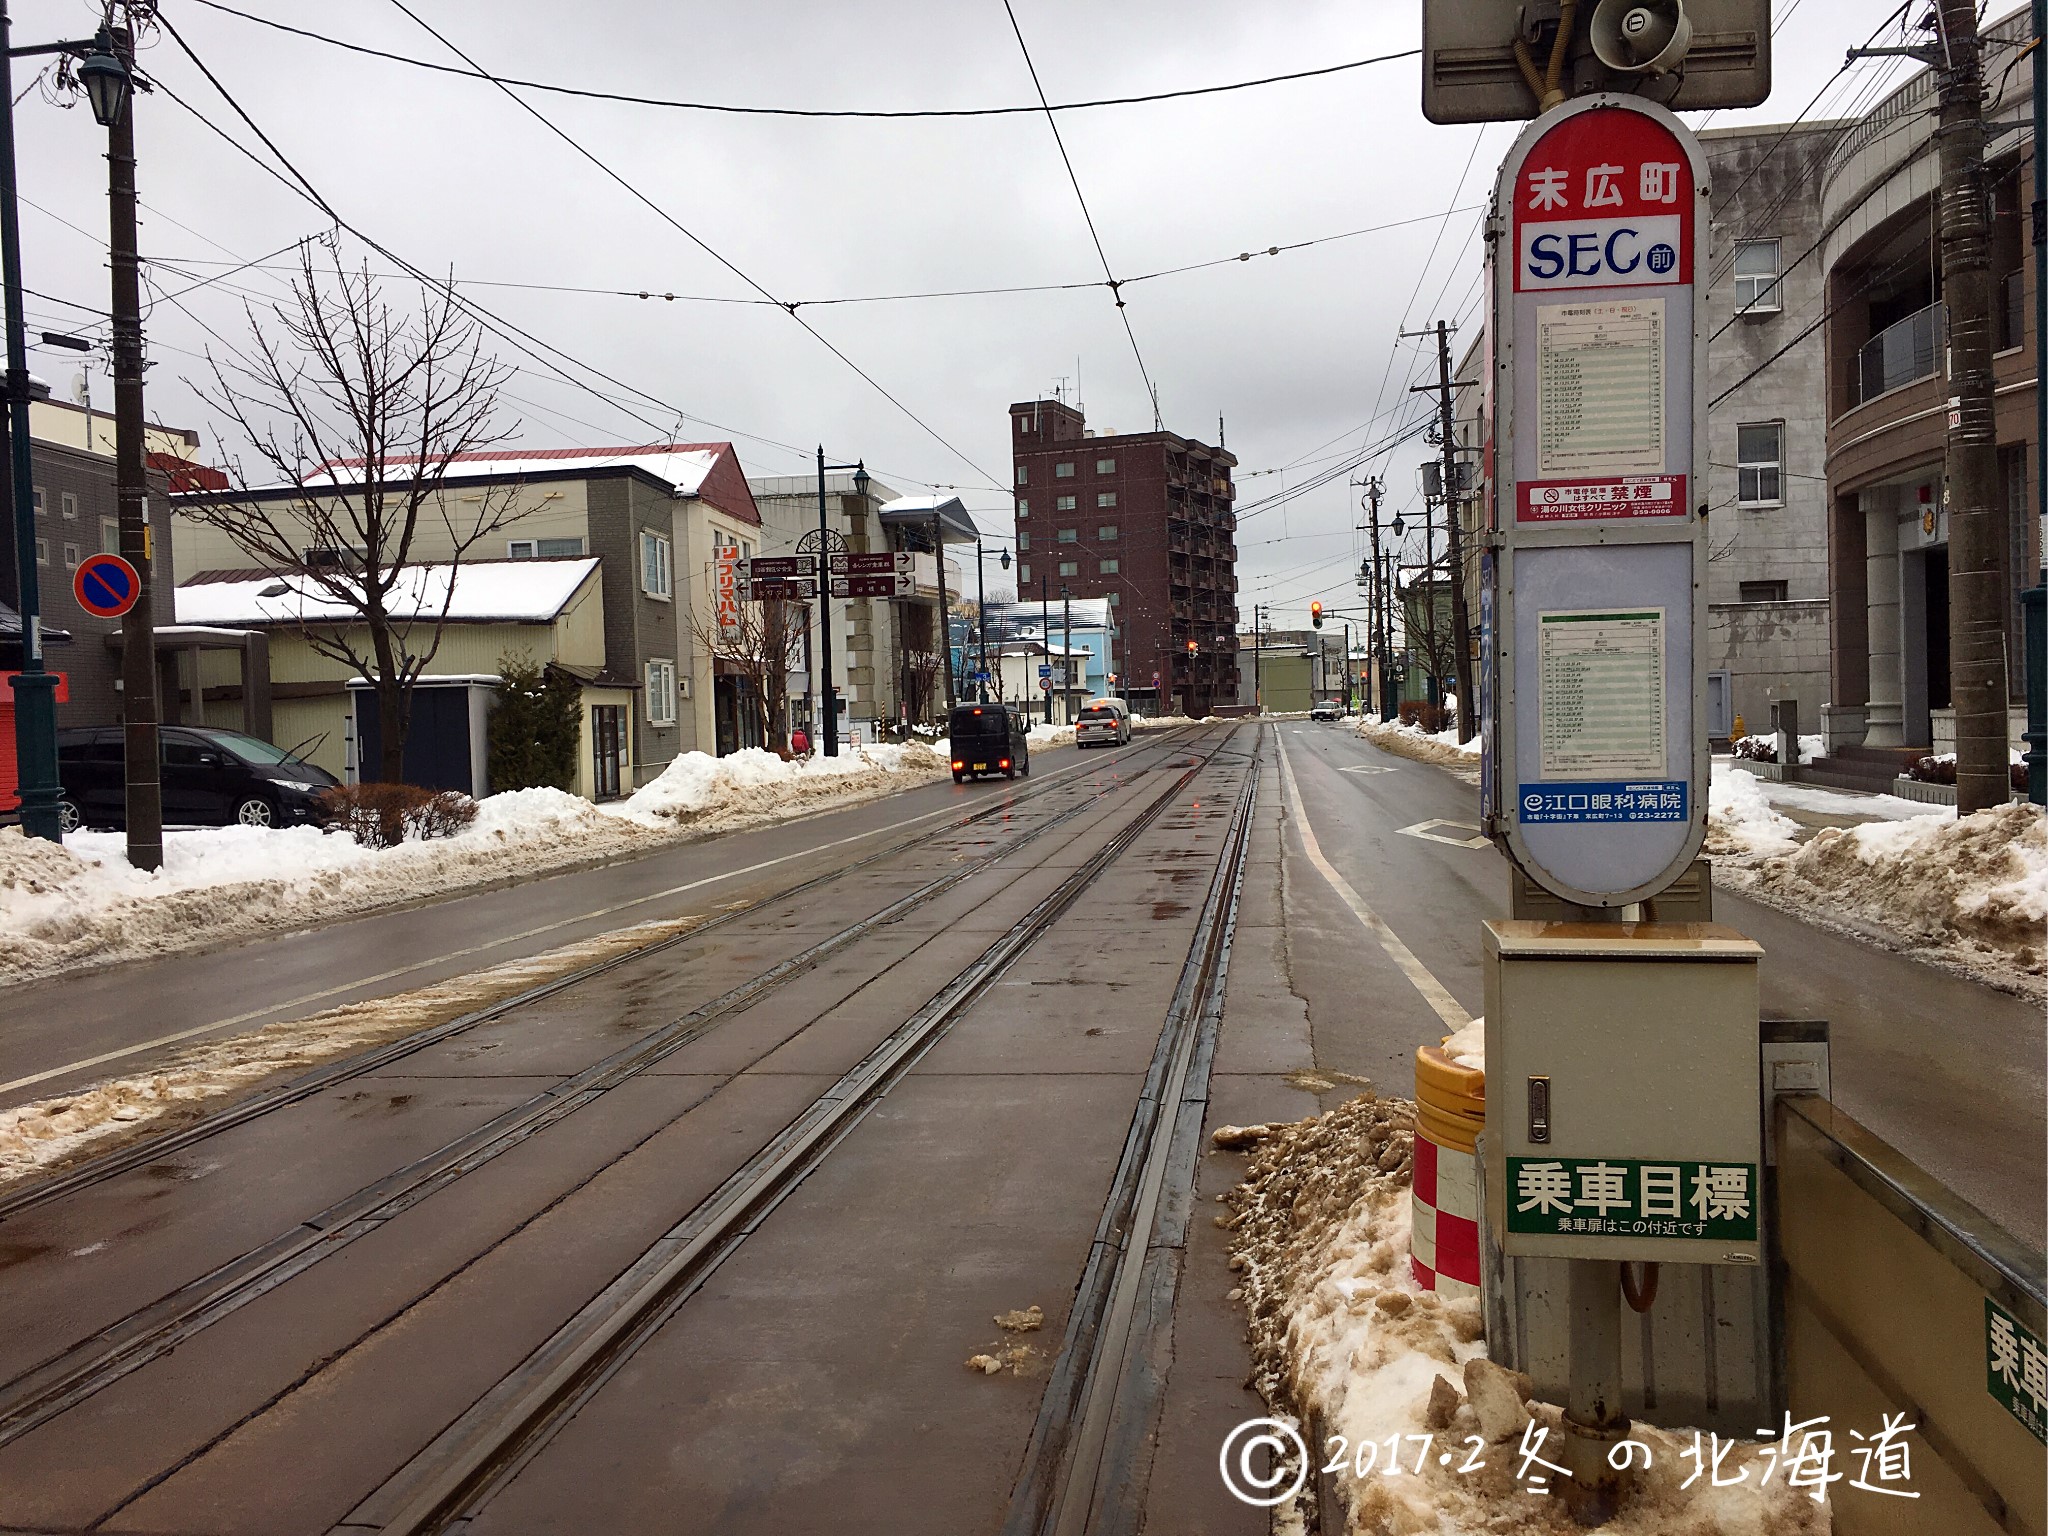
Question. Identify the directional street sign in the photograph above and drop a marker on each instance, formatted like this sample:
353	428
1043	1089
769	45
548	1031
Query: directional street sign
900	585
776	566
788	589
1044	669
106	586
886	562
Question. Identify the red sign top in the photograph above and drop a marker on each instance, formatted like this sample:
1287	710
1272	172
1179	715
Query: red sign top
1599	173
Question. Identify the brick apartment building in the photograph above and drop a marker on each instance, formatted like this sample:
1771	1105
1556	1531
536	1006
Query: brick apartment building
1145	520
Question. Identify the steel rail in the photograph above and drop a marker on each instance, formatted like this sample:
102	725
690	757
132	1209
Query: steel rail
58	1383
1103	1393
484	1448
136	1154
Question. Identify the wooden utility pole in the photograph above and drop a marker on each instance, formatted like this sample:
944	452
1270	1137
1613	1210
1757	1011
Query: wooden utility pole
1461	629
1376	596
1978	584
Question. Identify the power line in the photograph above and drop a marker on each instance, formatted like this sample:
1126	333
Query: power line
703	245
476	72
1067	160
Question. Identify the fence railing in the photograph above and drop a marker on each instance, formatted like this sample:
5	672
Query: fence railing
1902	352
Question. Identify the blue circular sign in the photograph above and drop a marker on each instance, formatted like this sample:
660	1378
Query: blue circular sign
106	586
1662	258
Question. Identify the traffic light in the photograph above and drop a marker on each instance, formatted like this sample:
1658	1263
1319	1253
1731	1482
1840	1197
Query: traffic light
1191	647
1315	614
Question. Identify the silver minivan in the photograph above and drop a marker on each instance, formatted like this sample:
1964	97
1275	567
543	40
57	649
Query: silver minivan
1103	723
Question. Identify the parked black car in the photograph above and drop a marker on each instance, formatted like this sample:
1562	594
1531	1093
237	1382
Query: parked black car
988	738
209	776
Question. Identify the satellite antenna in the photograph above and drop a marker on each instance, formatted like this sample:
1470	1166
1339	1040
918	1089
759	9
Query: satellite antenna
81	390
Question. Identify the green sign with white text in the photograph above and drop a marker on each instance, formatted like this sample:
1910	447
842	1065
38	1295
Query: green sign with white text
2017	1368
1631	1197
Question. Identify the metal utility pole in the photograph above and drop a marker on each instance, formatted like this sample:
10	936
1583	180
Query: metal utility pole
1978	583
1258	682
2035	633
980	626
1067	653
945	618
35	688
1461	630
1045	631
830	542
1376	595
139	713
1347	666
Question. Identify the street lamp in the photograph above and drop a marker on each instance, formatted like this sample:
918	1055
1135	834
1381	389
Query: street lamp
827	540
106	81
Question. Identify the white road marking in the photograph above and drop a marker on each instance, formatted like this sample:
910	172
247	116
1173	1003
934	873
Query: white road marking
1433	991
1422	830
462	954
1368	768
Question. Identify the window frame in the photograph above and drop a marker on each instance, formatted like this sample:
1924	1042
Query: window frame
67	503
1023	540
1068	536
1781	591
107	525
1063	504
665	696
1108	533
662	566
1113	566
71	557
1759	467
1765	289
1023	575
1070	568
1105	466
1063	471
1023	474
1105	500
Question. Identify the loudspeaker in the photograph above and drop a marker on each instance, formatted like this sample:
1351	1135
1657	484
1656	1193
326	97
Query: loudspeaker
1640	37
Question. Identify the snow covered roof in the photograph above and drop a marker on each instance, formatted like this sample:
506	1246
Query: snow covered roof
682	466
953	516
486	592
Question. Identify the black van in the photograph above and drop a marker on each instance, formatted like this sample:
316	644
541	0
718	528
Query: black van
988	738
208	776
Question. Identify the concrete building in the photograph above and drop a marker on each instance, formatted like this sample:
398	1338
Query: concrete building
1765	478
1143	520
1886	395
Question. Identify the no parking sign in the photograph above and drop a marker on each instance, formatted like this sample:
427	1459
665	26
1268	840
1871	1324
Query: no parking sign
106	586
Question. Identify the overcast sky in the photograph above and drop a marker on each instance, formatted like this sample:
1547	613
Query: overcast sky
1295	352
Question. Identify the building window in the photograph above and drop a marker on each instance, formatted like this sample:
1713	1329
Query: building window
70	557
661	693
1756	278
1760	464
1105	466
1023	507
1105	498
543	549
1109	567
42	504
1070	567
1116	599
1063	471
68	500
656	571
1762	591
1063	504
1023	538
110	536
1023	575
1106	533
1023	474
42	551
1070	535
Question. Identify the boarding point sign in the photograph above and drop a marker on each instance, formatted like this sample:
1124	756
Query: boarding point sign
1597	736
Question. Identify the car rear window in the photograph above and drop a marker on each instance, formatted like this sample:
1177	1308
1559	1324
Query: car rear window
1098	713
968	723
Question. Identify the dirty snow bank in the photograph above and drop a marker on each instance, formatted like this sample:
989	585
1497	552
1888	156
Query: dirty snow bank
1442	747
1972	891
1739	816
82	902
45	1136
1340	1332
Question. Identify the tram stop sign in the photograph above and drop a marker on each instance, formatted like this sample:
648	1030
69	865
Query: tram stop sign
1594	448
106	586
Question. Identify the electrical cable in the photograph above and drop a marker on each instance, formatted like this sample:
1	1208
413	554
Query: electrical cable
1067	160
476	72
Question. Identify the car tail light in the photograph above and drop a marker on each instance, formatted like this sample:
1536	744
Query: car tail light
1004	763
959	765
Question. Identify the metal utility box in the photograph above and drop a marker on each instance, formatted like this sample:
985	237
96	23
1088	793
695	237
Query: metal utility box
1622	1091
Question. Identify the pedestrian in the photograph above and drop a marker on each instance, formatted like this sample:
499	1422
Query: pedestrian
799	743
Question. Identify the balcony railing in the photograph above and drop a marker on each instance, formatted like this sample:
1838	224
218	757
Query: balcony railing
1902	352
2012	309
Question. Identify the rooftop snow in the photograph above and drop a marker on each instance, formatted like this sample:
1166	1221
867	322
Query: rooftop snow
497	591
680	465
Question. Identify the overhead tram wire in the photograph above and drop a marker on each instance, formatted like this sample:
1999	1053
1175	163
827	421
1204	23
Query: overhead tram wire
705	246
476	72
1052	122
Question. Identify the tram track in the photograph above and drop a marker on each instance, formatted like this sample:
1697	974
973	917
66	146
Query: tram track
62	1381
478	1455
150	1149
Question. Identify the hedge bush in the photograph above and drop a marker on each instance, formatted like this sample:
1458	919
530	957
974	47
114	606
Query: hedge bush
385	815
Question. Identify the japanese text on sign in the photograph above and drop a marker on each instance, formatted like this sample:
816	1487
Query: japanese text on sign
1622	1197
1600	387
1636	496
1601	693
1643	800
726	587
2017	1368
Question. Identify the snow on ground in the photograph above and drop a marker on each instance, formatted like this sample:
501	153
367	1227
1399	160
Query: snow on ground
82	903
1442	747
1341	1336
1740	818
43	1137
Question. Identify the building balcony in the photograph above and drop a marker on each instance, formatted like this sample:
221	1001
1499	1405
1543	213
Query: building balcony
1903	353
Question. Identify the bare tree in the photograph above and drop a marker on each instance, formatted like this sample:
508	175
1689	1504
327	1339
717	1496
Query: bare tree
366	409
920	684
759	648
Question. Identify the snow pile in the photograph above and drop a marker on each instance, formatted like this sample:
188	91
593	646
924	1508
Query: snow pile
696	786
1969	889
1163	722
82	902
1043	736
42	1137
1468	1046
1441	747
1810	747
1739	816
1340	1334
